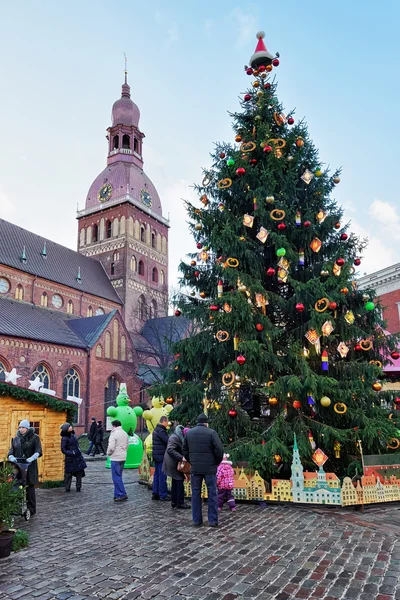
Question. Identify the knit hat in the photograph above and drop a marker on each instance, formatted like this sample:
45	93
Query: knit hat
93	418
64	428
25	423
202	418
185	430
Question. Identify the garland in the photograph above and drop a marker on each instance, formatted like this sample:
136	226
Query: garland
23	395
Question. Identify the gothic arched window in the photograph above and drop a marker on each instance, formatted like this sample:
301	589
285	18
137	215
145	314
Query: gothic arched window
142	308
153	309
135	145
95	233
162	277
99	351
107	345
110	393
123	348
133	264
44	299
89	311
126	141
153	239
115	142
19	292
43	374
71	384
142	233
3	370
108	228
141	267
154	275
115	339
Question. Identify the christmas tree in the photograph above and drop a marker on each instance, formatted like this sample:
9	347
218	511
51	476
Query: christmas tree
284	342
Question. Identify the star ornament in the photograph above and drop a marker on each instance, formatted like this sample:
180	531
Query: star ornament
12	376
35	384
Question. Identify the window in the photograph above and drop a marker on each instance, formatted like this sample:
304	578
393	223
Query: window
154	275
107	345
19	292
142	233
162	277
110	393
135	145
112	268
44	299
95	233
99	311
153	309
89	312
115	142
71	384
115	339
141	268
126	141
108	228
70	307
153	239
133	263
3	371
4	285
123	348
116	256
43	374
142	308
99	351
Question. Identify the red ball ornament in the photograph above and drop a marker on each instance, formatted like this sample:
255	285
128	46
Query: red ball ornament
395	355
357	262
261	69
344	236
275	62
357	348
253	161
337	225
247	97
240	172
267	149
232	412
267	86
214	307
196	273
240	359
222	155
270	272
290	121
178	312
249	71
397	400
259	326
307	223
332	305
199	245
300	307
340	262
297	404
281	226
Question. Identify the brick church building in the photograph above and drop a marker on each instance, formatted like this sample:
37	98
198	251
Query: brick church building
74	319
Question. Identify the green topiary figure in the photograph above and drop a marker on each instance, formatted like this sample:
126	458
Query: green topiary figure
128	417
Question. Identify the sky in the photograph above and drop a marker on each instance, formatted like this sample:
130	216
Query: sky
62	68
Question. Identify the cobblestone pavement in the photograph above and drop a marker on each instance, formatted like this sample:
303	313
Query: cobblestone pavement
85	546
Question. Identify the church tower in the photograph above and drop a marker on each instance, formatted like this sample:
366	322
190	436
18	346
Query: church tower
122	225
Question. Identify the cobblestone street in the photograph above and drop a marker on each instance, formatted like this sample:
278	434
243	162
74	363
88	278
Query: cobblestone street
85	546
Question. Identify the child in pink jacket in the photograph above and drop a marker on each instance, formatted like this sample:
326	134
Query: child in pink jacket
225	483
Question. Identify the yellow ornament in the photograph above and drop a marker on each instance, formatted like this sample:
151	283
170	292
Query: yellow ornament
325	401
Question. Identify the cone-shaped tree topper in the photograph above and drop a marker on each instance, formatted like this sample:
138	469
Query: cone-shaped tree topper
261	55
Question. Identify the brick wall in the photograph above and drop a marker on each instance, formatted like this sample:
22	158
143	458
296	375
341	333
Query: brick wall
391	303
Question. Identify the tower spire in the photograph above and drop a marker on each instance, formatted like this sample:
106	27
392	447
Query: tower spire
126	68
126	90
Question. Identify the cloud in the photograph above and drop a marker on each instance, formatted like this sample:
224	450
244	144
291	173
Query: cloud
379	253
7	208
247	26
386	215
171	28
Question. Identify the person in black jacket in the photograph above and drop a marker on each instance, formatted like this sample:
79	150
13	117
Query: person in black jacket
204	450
74	462
159	445
92	435
172	457
98	440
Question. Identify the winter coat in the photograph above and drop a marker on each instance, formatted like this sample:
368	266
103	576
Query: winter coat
225	476
74	461
92	432
98	439
203	449
160	442
118	445
25	446
174	455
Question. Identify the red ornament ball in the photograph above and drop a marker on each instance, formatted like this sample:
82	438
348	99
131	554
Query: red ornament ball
259	326
357	262
395	355
261	69
300	307
307	223
196	273
267	149
249	71
253	161
214	307
332	305
247	97
178	312
290	121
297	404
267	86
357	348
240	172
340	262
222	155
232	412
337	225
275	62
344	236
270	272
199	245
397	400
240	359
281	226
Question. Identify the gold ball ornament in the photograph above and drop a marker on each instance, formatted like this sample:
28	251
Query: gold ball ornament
325	401
203	295
336	180
238	138
273	400
193	263
256	84
300	142
260	94
318	173
324	273
377	386
270	199
198	227
263	75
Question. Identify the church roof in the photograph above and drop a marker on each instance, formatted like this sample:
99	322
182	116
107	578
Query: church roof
60	264
160	332
20	319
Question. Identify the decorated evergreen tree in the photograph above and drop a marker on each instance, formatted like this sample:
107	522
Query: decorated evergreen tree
284	342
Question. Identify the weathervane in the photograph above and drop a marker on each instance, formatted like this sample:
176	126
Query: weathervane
126	67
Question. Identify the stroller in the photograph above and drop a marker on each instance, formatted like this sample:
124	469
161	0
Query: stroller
20	484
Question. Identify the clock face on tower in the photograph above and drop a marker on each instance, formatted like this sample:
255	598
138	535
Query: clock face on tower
56	301
145	197
104	192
